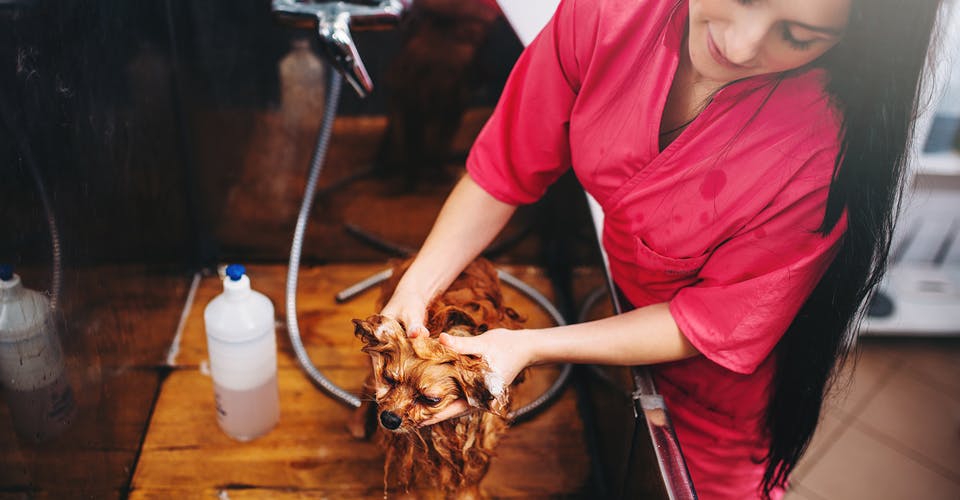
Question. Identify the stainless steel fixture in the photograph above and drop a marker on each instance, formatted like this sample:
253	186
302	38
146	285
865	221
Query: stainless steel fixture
334	23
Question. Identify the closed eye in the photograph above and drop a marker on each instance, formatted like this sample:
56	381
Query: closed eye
788	37
427	400
389	380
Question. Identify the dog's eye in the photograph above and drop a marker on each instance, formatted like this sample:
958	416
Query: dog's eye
427	400
389	380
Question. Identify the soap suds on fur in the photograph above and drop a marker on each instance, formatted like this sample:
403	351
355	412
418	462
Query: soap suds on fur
382	329
495	383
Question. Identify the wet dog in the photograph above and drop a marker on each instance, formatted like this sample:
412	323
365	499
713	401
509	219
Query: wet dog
415	378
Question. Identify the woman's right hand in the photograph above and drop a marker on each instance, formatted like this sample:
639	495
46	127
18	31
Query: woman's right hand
467	223
410	309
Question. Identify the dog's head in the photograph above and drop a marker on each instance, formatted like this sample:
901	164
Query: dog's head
416	378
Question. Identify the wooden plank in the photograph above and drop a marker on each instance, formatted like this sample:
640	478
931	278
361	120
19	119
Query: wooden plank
310	453
266	174
94	457
118	321
310	449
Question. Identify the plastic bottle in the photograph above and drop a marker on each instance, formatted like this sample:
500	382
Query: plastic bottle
242	345
32	370
302	85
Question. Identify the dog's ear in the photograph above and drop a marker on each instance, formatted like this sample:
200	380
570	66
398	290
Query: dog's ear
455	316
366	332
479	388
373	330
377	329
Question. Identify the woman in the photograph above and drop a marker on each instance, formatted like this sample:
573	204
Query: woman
748	156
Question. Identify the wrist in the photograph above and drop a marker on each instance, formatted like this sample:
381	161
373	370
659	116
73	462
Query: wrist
528	346
411	294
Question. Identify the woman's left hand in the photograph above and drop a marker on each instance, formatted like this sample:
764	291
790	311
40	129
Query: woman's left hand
505	351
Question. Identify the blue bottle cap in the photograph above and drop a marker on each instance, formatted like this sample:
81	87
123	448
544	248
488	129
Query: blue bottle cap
6	272
235	272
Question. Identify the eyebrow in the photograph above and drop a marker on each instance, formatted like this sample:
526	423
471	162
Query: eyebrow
819	29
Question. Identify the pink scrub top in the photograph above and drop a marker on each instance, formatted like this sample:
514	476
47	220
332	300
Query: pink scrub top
721	224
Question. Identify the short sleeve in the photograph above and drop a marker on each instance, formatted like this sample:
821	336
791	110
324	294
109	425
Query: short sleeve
524	146
753	285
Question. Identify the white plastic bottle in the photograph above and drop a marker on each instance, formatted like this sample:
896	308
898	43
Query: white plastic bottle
242	345
32	370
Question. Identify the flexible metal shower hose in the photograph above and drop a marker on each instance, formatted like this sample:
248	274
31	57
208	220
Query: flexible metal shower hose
56	280
293	328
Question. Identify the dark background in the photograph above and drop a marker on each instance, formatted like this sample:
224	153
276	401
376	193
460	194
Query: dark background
154	130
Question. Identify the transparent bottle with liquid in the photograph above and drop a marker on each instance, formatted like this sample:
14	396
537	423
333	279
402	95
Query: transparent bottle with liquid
242	347
302	85
32	369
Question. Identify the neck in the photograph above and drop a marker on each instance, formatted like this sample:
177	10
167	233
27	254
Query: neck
688	76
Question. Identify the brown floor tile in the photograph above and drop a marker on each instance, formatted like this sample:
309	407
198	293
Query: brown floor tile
860	467
799	493
938	361
864	374
831	426
917	417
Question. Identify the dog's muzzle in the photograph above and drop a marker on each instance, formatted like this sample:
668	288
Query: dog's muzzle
390	420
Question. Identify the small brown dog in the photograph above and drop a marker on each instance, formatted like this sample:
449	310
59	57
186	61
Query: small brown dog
414	379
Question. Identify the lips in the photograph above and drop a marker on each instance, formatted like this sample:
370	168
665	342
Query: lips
717	55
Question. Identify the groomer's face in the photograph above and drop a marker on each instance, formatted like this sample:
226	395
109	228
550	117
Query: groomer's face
734	39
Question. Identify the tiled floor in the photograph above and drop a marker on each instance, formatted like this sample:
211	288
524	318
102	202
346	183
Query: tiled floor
894	431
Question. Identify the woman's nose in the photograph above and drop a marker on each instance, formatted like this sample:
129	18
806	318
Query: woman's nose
743	42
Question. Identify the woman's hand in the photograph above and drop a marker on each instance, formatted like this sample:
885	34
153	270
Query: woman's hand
410	309
506	352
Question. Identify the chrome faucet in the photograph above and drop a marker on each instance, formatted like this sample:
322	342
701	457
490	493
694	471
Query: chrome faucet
334	21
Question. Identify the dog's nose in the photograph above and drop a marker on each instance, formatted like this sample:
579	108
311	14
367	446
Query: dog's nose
390	420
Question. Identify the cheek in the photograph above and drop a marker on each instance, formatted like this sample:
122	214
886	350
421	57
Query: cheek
787	58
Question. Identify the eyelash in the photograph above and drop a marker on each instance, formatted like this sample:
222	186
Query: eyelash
428	400
796	44
422	399
785	32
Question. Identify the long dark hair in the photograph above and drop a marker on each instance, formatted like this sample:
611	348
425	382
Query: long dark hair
875	76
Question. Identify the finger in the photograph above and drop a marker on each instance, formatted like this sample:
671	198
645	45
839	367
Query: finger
456	409
417	329
463	345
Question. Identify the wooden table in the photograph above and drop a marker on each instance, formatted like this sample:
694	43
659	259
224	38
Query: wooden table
310	454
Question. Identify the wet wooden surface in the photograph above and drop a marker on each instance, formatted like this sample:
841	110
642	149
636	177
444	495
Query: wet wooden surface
252	200
115	329
310	453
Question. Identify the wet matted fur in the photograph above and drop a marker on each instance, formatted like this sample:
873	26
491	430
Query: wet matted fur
413	379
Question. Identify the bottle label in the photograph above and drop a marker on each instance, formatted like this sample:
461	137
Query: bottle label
42	413
31	363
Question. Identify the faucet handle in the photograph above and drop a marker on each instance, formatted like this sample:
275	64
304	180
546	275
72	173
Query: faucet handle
340	49
334	22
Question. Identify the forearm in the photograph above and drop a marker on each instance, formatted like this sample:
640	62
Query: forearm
643	336
469	220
